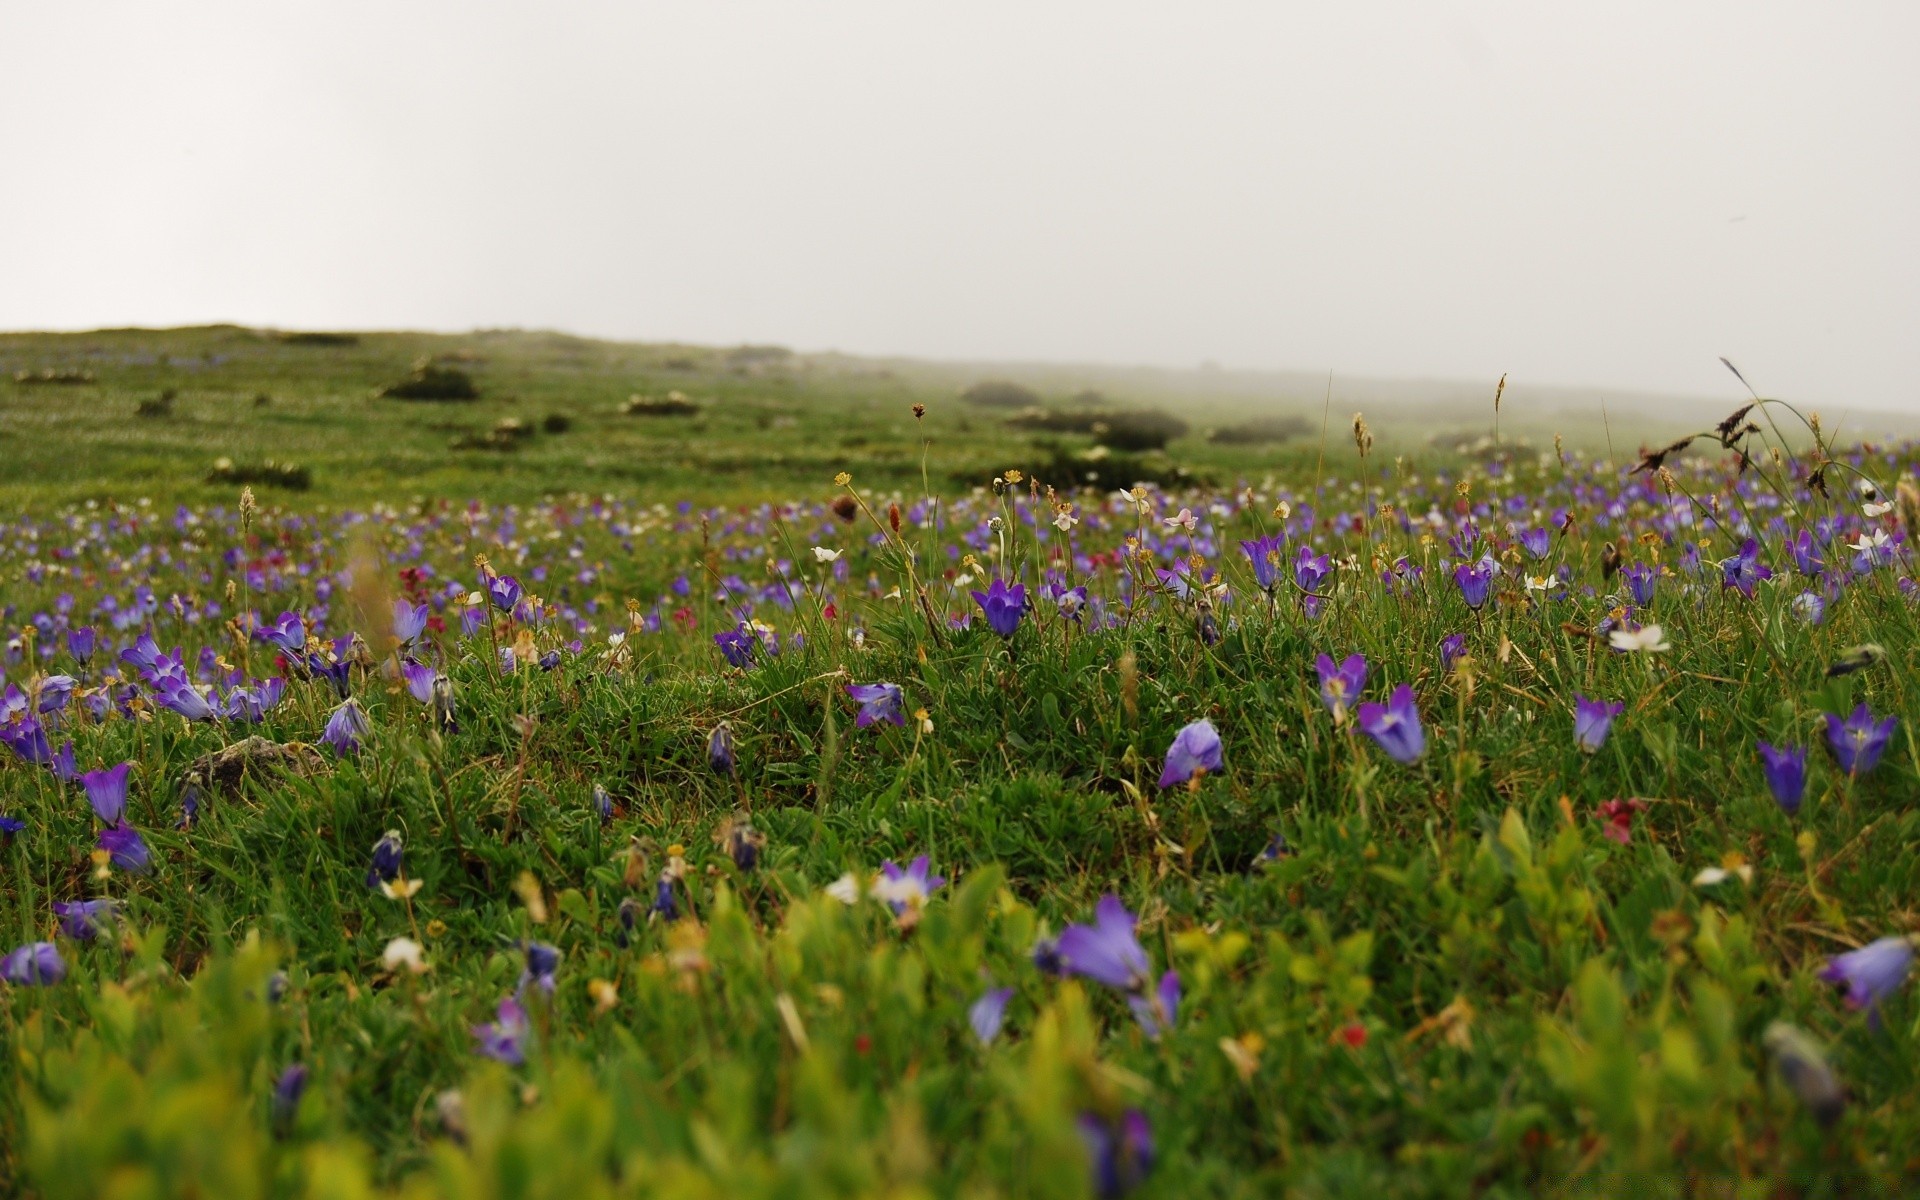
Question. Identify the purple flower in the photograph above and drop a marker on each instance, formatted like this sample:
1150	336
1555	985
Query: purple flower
721	752
107	791
81	919
1805	553
1395	726
419	680
1118	1157
1265	555
1744	571
666	905
1195	748
63	766
736	646
1858	742
287	1091
1107	950
1537	542
184	698
1640	579
1591	721
1340	686
1872	972
878	702
10	826
1156	1011
602	804
36	964
289	633
987	1014
1046	957
346	727
1476	581
409	620
81	642
1786	770
504	1038
336	671
543	963
1003	606
28	739
55	691
126	848
1310	568
504	591
389	856
905	889
1451	647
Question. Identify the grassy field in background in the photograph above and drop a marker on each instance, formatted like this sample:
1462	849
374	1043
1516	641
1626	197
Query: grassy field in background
658	708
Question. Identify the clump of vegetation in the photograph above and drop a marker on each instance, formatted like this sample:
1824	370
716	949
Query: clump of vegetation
1132	429
291	476
314	337
1000	393
55	376
508	433
431	381
556	423
673	404
1260	431
157	406
262	399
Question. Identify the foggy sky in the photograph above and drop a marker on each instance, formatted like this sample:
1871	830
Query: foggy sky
1614	196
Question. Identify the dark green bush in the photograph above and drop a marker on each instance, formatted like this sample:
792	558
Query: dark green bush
432	382
1260	431
1000	393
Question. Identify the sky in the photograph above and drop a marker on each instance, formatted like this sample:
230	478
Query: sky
1610	195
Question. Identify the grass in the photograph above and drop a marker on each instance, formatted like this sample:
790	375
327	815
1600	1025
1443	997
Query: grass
1452	982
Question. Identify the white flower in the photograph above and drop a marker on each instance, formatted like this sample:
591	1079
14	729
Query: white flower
1065	520
1183	520
1542	583
399	889
404	952
845	889
822	554
1876	509
1282	511
1710	876
1871	541
1650	638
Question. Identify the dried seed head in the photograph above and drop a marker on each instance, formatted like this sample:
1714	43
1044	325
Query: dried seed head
1362	436
919	411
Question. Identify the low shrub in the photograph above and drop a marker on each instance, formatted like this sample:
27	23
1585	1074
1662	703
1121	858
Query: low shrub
268	474
674	404
1000	393
430	381
1260	431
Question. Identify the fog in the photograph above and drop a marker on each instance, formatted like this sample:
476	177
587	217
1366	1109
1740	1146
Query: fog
1611	197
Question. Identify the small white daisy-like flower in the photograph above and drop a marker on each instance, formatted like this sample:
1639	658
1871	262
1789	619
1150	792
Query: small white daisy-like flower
1650	638
1876	508
845	889
404	952
399	889
822	554
1872	540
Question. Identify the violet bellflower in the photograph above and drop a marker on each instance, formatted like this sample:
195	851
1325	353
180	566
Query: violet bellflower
1859	741
289	633
1744	571
287	1090
504	1039
1340	686
1640	579
1195	748
1537	542
1107	951
409	620
1786	770
125	848
736	646
36	964
1475	580
64	766
28	739
346	727
55	691
1591	721
878	702
419	680
81	642
1805	552
82	919
1265	553
1451	647
1003	606
1156	1010
988	1013
1119	1155
542	967
184	698
906	889
722	753
336	670
1395	726
1871	973
504	591
389	856
1310	569
107	791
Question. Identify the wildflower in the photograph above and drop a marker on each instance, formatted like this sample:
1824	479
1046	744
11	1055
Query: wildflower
907	890
184	698
1536	542
107	791
1786	770
1395	726
542	965
63	766
1744	571
409	620
823	555
988	1012
1264	554
189	807
1108	950
721	755
1341	685
82	919
1805	553
742	842
1617	816
1650	638
1196	748
504	591
629	915
28	739
1871	973
81	642
1591	721
1640	580
1003	606
419	680
1451	647
55	691
36	964
602	804
1045	957
666	904
388	856
346	727
1475	581
845	889
504	1038
1309	569
1118	1156
289	633
10	826
1804	1069
736	646
1858	741
287	1091
1184	520
1156	1010
405	953
1810	607
125	848
1275	850
878	702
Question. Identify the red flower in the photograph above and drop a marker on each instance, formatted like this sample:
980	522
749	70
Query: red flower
1617	816
1354	1034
